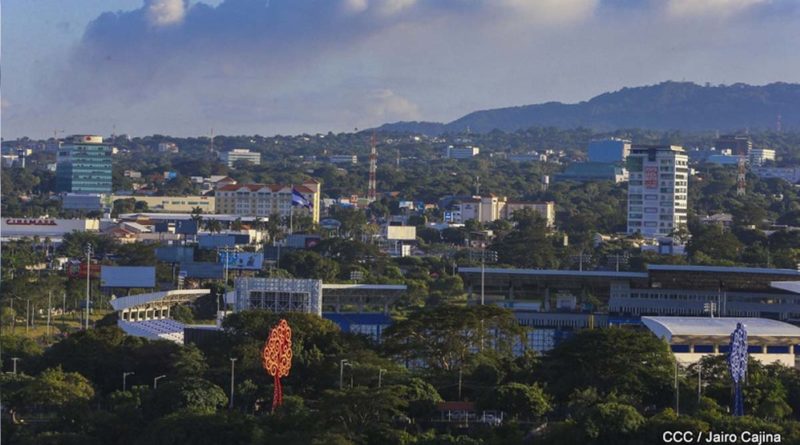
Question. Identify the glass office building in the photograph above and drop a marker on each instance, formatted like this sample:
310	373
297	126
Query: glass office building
84	165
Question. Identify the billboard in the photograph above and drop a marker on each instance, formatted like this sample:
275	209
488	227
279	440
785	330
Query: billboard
127	276
651	177
175	254
241	260
203	270
214	241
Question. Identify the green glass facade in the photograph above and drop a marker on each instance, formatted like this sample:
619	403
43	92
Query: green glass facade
84	168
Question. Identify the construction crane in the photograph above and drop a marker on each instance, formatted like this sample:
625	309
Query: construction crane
373	168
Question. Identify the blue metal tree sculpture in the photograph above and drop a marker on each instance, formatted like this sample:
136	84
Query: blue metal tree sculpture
737	365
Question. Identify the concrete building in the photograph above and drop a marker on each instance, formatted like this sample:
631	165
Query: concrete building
266	200
82	201
527	157
759	156
735	144
174	204
343	159
168	147
55	229
592	171
692	338
789	174
611	150
240	154
491	208
84	165
657	190
461	151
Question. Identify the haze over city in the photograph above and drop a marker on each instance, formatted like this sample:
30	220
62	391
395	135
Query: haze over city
182	67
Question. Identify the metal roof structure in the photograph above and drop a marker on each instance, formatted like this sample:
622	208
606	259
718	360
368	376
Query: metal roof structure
167	297
186	216
684	330
791	286
365	287
553	272
722	269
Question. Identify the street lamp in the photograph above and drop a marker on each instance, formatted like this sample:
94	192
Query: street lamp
89	252
155	381
233	364
342	363
124	379
381	371
677	392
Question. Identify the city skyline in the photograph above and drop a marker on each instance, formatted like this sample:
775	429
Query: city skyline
240	67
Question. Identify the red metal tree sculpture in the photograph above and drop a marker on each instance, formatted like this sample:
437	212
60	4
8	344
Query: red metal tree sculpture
276	357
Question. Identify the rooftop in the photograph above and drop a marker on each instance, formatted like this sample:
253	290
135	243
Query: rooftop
170	296
669	327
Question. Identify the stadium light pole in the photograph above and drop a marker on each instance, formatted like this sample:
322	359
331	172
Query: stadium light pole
125	380
155	381
89	252
342	362
233	364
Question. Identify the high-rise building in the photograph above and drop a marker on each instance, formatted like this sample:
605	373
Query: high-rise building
657	189
84	165
758	156
268	199
240	154
737	144
609	150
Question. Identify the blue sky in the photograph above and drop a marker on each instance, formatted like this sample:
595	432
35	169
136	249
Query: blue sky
182	67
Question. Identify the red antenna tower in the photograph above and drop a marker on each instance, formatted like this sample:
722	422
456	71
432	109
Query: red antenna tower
373	168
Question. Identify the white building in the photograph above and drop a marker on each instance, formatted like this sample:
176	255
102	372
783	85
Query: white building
343	159
461	152
758	156
55	229
657	190
240	154
168	147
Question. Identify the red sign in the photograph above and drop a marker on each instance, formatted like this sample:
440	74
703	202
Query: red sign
30	222
651	177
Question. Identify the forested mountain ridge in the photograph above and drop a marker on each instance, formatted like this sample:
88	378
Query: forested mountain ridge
684	106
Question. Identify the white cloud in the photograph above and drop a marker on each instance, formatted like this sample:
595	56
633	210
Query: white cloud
386	105
690	8
165	12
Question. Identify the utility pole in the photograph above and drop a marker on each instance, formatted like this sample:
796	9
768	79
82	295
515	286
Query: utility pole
233	364
699	381
49	305
27	314
342	364
89	252
155	381
459	382
14	360
380	375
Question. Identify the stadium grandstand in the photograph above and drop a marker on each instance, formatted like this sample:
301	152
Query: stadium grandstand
664	290
691	338
148	315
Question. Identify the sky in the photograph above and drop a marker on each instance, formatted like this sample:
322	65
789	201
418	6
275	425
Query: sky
183	67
